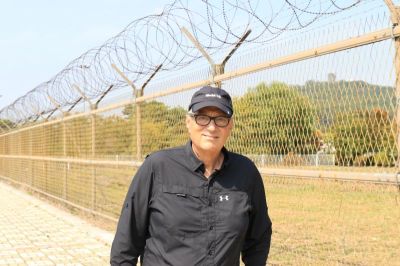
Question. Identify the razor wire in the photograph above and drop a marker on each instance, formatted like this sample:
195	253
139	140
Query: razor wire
156	40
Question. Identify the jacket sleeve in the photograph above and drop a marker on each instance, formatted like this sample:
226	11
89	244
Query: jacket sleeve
132	229
258	238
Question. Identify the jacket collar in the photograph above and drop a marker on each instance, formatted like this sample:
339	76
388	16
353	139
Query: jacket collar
195	164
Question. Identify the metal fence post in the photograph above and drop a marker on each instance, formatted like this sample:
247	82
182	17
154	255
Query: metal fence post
137	93
138	132
395	18
217	69
66	168
93	130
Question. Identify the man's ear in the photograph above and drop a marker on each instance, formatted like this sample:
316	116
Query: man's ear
232	123
187	121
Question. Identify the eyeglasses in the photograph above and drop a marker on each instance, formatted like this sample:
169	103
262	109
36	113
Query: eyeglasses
204	120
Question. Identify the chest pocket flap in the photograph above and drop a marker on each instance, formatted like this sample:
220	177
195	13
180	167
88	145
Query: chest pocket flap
182	191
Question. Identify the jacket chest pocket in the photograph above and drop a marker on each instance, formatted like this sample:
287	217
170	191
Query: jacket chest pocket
181	208
233	211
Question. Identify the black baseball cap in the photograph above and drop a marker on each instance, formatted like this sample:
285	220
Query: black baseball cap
211	96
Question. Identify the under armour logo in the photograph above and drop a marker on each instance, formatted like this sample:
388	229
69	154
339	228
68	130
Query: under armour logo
224	197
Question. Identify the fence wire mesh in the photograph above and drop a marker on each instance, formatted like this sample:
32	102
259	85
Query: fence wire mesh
331	113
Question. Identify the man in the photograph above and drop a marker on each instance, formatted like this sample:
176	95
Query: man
198	204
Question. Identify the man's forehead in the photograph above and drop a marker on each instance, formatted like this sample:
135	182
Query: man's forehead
211	110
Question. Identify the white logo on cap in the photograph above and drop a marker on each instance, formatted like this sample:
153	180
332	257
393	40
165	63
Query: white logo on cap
213	95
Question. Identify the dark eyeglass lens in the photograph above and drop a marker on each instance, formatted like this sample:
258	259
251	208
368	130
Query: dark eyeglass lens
221	121
204	120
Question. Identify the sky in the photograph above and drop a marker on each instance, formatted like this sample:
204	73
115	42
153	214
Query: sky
39	38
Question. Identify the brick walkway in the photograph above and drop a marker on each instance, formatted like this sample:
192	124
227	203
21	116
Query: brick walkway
32	232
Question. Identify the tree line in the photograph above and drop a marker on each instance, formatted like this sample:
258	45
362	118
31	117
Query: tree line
355	119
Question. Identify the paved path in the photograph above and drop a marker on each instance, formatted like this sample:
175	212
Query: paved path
32	232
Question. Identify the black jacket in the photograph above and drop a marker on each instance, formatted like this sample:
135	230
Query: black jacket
173	215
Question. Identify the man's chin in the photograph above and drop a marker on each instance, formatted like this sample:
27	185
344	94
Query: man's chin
211	145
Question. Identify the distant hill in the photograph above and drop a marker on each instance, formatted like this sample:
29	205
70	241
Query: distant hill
333	97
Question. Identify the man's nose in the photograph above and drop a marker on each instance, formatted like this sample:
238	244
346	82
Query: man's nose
212	125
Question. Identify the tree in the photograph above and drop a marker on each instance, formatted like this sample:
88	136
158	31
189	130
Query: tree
161	126
5	124
78	137
365	135
274	119
113	136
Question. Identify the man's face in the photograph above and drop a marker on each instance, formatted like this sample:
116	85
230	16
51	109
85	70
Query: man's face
210	137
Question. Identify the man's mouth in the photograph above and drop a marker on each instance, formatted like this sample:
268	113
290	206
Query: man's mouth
210	137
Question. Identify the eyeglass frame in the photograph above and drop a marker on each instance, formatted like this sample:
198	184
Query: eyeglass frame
210	118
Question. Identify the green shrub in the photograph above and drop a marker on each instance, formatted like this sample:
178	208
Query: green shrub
384	159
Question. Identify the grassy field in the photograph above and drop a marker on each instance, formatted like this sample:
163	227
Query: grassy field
318	222
315	222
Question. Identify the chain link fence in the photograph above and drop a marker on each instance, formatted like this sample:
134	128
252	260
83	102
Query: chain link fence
332	115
